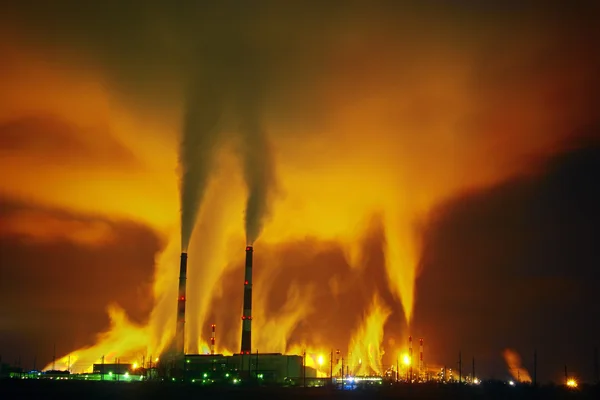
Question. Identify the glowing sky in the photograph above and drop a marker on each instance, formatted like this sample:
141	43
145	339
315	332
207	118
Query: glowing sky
382	121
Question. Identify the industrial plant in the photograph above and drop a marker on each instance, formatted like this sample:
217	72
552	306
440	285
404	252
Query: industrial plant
247	367
219	368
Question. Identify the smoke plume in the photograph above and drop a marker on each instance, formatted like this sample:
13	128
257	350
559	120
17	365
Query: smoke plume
258	173
200	130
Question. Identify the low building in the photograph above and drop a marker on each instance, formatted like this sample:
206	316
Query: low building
117	369
266	367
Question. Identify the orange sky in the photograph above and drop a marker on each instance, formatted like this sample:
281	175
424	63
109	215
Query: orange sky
386	130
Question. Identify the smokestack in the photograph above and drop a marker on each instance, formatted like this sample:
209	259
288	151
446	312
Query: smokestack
247	312
179	333
212	340
410	357
421	366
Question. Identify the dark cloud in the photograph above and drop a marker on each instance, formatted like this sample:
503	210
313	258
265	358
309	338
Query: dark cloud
56	290
51	139
516	266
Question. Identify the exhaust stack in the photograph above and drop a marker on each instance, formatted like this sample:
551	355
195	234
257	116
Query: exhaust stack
180	331
247	312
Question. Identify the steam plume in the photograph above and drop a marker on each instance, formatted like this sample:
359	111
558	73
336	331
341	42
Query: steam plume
513	361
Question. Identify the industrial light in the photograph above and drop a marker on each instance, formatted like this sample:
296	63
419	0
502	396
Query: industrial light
406	359
320	360
572	383
511	383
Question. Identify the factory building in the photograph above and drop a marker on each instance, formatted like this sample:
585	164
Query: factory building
266	367
119	369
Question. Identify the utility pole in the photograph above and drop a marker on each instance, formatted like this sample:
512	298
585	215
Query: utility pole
304	368
331	366
256	369
596	368
535	368
397	370
459	367
342	372
54	358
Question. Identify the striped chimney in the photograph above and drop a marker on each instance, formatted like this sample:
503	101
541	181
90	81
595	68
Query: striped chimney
180	330
246	347
212	340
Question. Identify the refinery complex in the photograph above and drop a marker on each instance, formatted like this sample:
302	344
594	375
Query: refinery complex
245	366
254	368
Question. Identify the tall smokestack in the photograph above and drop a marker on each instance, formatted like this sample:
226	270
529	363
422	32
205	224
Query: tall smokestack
247	313
212	340
179	333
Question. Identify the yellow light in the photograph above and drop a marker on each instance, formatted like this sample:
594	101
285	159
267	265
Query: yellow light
320	360
134	366
572	383
406	359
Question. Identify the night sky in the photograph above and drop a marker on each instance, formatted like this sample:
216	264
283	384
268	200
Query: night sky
438	163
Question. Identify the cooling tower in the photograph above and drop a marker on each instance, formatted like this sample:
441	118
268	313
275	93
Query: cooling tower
247	312
180	331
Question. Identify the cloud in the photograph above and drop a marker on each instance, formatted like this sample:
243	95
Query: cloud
61	270
45	139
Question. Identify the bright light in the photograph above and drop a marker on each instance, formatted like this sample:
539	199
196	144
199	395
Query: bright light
134	366
406	359
511	383
205	375
126	374
110	374
156	359
572	383
476	381
235	381
320	360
